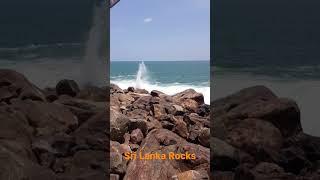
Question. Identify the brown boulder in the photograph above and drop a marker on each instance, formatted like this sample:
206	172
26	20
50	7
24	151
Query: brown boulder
115	89
15	85
47	118
163	141
93	133
254	135
13	166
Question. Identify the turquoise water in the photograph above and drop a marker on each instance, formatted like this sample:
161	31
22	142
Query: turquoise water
169	77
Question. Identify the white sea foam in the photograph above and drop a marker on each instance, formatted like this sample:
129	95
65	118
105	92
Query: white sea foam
169	89
142	81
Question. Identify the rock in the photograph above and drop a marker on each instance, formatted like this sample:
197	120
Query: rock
93	93
125	98
118	164
15	85
180	126
177	110
134	147
118	125
67	87
224	156
142	102
204	137
158	110
138	124
189	94
254	136
223	175
115	89
13	166
293	160
204	110
310	145
87	165
130	89
47	118
82	109
92	133
194	118
14	126
50	147
190	175
283	113
136	136
156	93
164	141
114	177
50	94
260	103
141	91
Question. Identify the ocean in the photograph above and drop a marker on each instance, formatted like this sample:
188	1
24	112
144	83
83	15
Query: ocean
169	77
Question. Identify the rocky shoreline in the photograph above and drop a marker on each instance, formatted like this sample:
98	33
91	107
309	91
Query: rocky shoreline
145	123
62	133
53	133
257	135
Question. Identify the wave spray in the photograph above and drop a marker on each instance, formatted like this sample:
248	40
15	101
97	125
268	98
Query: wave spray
95	61
142	75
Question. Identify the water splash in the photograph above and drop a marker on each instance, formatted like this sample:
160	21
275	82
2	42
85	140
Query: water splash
95	62
142	75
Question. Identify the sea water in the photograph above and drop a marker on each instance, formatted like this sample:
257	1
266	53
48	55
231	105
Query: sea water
169	77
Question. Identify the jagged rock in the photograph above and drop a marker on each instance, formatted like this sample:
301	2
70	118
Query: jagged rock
223	156
204	137
118	125
93	93
165	141
118	164
254	136
13	166
115	89
47	118
155	93
136	136
15	85
67	87
92	133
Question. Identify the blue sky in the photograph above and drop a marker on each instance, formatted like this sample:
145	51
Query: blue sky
160	30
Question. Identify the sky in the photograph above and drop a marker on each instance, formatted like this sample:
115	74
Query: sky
160	30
